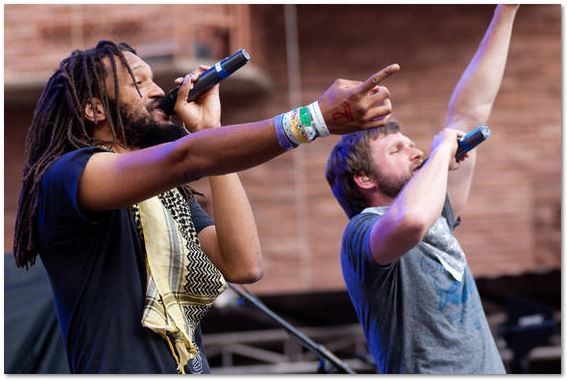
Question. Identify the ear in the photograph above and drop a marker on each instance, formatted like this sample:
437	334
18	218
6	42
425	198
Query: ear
97	113
364	181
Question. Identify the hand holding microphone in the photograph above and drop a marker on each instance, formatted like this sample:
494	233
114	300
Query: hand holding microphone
208	79
468	142
471	140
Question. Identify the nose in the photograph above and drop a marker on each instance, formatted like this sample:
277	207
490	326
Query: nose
156	91
417	154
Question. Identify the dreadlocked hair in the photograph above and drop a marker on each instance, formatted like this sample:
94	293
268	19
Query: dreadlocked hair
59	126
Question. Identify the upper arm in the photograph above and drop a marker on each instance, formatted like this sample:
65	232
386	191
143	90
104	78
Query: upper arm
459	183
207	234
115	180
460	180
210	245
59	190
392	236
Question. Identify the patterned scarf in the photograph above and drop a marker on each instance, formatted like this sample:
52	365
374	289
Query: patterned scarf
182	281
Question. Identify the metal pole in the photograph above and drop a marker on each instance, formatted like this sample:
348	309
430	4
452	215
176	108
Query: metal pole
300	179
316	348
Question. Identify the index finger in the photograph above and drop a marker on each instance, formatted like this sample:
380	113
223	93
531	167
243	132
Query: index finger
376	78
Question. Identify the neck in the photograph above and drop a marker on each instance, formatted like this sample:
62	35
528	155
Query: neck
111	146
119	148
103	136
379	199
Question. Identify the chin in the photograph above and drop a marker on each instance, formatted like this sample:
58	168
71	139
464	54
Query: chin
149	133
166	124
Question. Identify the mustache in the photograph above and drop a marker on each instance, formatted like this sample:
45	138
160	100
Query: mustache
155	104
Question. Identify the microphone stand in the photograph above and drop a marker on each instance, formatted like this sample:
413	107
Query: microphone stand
318	349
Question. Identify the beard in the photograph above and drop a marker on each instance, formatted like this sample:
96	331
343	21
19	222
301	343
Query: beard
143	131
148	133
389	186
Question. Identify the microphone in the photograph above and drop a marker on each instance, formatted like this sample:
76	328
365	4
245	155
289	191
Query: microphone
207	79
468	142
471	140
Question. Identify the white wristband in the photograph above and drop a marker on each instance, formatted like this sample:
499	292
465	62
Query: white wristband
318	121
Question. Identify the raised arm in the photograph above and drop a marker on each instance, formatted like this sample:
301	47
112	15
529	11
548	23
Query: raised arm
418	205
232	243
473	97
118	180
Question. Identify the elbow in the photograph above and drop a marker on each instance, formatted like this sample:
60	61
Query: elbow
246	275
252	275
392	237
246	271
415	227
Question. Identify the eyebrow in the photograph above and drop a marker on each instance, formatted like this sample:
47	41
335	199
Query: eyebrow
141	66
392	145
396	143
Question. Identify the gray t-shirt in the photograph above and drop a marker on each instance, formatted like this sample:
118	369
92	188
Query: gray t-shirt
422	313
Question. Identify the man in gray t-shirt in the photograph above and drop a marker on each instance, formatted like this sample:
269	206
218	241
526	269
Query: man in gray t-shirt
406	273
418	315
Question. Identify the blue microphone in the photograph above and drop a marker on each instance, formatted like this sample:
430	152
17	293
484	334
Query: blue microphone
468	142
471	140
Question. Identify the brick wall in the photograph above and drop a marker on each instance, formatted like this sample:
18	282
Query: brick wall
512	223
52	31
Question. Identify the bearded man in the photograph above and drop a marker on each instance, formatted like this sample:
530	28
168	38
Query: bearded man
133	261
405	272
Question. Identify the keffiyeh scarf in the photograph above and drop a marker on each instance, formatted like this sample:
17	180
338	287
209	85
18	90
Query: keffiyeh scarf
182	282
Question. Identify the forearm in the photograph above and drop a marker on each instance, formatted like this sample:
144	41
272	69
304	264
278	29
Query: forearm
236	230
422	199
225	150
476	90
413	212
346	106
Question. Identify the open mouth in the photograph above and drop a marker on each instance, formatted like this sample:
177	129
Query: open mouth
159	115
418	167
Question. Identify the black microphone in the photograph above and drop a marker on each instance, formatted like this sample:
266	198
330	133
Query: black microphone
471	140
207	79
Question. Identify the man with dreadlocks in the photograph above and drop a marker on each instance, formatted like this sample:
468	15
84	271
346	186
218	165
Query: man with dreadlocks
133	261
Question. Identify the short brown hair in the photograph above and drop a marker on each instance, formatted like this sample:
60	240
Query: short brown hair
350	157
